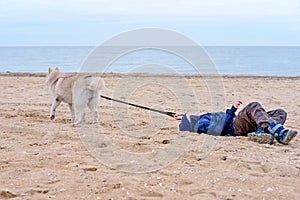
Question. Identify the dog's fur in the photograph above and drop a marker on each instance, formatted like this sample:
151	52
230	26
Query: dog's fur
78	91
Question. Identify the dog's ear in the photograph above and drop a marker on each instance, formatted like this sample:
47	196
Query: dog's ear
49	70
57	69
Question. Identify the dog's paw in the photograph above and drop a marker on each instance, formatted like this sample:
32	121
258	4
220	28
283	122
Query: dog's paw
77	122
52	117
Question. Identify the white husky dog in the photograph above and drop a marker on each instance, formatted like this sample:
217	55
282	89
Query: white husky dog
79	91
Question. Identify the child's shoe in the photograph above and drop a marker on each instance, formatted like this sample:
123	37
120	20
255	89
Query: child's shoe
281	134
261	137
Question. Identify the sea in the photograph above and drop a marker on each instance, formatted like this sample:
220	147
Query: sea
231	60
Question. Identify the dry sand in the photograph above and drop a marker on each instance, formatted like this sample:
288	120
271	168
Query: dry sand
44	159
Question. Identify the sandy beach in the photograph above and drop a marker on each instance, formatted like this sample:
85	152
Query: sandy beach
44	159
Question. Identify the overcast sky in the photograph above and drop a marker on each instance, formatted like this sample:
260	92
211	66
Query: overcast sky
208	22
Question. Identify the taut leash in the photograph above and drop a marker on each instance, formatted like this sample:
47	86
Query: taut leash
171	114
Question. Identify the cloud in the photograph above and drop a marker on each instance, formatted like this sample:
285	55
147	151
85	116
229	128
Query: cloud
229	22
118	10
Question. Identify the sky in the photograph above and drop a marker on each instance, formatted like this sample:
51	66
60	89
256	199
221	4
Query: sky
91	22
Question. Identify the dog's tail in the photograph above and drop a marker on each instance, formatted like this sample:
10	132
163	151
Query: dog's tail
96	84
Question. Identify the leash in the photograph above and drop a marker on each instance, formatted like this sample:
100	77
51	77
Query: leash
171	114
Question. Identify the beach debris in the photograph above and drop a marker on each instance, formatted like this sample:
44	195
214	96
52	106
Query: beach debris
224	158
242	178
166	141
39	190
7	194
145	137
152	194
117	186
89	168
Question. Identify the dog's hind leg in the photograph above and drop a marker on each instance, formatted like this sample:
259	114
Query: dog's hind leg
79	104
93	107
72	112
81	116
79	108
55	104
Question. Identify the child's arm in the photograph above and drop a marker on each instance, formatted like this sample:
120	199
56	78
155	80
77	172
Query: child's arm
230	115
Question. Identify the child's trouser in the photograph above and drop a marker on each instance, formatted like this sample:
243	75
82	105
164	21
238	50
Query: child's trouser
254	116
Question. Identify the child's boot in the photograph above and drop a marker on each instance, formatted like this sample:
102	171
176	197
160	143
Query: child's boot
281	134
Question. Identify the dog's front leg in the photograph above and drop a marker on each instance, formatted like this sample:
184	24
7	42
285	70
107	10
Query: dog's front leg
72	112
55	104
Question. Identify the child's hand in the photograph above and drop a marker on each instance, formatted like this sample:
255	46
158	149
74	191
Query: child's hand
237	104
178	116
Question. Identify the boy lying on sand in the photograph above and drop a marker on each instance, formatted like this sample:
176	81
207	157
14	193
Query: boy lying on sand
253	120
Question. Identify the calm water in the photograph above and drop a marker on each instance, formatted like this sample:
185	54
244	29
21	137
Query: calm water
228	60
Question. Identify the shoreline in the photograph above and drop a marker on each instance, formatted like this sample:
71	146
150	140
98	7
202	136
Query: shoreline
146	74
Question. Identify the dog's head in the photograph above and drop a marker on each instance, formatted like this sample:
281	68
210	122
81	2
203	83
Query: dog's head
52	75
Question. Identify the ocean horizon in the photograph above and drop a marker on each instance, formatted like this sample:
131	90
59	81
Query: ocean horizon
231	60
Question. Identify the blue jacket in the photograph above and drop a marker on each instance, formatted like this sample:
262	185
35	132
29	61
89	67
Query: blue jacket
217	123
